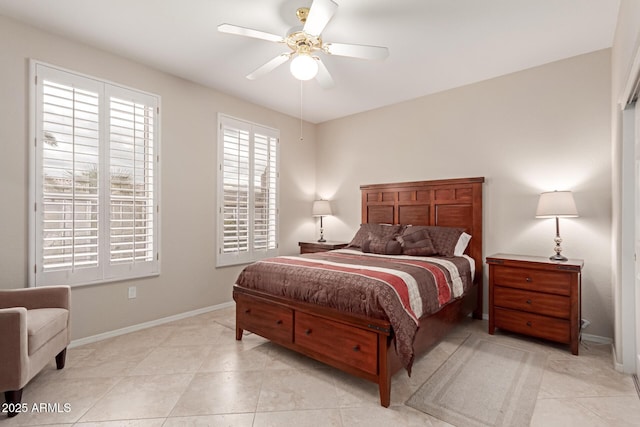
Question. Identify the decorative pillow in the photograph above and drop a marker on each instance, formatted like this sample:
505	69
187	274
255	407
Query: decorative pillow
416	241
462	244
377	230
413	234
382	245
445	239
419	248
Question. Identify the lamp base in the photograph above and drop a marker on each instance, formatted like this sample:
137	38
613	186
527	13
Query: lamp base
321	239
558	257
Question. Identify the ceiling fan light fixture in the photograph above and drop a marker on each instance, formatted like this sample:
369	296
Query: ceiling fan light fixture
303	67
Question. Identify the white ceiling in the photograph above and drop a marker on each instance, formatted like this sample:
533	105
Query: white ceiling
434	44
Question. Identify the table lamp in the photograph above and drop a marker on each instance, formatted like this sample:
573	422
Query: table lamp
321	208
557	204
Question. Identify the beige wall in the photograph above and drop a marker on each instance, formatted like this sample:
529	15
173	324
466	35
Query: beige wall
189	279
541	129
537	130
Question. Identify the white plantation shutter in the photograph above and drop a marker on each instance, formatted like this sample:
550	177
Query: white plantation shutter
247	191
235	193
132	162
264	176
67	171
94	175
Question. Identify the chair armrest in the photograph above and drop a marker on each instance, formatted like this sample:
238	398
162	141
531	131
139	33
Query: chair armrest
31	298
14	363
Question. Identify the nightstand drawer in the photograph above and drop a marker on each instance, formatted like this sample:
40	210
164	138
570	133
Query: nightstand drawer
533	324
355	347
533	302
534	280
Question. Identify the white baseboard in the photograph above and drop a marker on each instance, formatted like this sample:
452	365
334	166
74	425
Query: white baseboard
596	339
145	325
616	365
586	337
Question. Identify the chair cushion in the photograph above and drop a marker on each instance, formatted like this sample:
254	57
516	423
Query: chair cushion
43	324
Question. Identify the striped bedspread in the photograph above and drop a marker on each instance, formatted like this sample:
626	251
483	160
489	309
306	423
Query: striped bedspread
401	289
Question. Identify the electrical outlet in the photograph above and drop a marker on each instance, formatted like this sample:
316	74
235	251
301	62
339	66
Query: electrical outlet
132	292
584	324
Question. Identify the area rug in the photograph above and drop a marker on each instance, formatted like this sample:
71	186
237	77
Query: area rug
487	381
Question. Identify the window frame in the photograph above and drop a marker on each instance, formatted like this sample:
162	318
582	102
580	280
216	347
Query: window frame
252	254
107	91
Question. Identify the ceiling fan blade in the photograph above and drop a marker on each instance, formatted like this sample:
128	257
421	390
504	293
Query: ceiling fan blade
269	66
248	32
320	14
357	50
323	77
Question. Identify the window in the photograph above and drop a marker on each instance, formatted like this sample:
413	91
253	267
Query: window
94	180
247	191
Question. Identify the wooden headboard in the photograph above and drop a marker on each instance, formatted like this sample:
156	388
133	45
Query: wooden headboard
445	202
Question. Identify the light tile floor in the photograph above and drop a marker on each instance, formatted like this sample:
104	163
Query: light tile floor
193	372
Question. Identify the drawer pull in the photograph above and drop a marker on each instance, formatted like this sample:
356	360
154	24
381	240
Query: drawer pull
247	310
528	301
529	323
528	280
278	322
307	332
356	347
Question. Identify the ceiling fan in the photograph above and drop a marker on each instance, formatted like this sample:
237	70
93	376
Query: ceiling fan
305	42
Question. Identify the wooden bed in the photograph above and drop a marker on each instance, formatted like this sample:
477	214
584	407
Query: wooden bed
364	346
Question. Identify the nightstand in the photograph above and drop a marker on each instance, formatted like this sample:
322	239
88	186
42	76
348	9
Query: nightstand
311	247
536	296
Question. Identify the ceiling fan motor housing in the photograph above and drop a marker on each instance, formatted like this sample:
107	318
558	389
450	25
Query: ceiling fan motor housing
299	41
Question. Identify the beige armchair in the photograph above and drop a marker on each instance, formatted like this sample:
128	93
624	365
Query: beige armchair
34	328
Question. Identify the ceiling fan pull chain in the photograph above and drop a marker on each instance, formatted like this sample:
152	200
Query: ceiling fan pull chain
301	137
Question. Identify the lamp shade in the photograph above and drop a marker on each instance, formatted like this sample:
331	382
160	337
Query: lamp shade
321	208
556	204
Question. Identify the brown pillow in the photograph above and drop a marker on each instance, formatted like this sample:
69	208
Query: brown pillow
413	233
382	245
444	239
419	248
377	230
417	242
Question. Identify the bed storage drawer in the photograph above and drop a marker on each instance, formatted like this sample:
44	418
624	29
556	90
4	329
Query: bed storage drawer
352	346
266	319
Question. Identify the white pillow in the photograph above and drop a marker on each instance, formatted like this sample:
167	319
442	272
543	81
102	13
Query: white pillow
463	242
